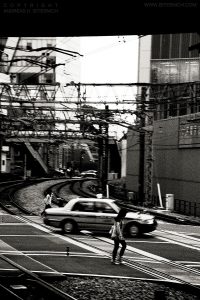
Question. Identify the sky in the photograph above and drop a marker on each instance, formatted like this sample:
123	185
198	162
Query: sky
105	59
109	59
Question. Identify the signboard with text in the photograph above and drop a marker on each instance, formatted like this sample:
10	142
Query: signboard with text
189	134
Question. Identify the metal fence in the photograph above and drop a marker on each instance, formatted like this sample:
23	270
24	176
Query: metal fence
180	206
130	196
186	207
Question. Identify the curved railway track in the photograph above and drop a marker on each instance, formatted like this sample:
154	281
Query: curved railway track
173	272
7	200
24	284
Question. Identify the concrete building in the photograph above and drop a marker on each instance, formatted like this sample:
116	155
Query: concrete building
22	68
32	79
167	60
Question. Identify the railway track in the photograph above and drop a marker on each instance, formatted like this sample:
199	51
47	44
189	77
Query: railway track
7	195
25	285
178	238
58	186
7	200
150	264
181	274
21	283
175	273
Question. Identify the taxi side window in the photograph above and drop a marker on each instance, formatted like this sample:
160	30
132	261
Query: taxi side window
104	208
84	206
78	207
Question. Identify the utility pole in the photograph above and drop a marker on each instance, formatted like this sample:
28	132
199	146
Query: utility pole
25	166
142	146
100	161
105	173
149	160
2	133
1	144
103	151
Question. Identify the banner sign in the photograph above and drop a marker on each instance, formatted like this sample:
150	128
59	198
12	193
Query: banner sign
189	133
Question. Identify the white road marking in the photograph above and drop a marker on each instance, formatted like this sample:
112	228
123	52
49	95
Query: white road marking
17	252
179	243
181	235
147	254
147	242
25	235
13	224
185	261
193	265
70	240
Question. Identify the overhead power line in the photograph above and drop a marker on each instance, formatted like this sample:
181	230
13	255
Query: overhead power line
64	51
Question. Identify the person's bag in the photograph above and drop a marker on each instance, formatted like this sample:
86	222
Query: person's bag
112	232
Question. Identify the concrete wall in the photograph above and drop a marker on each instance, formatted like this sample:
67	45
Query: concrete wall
176	169
132	161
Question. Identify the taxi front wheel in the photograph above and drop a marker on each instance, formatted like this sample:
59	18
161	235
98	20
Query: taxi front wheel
69	226
133	230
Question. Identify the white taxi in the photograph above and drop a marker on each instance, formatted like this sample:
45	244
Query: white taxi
96	215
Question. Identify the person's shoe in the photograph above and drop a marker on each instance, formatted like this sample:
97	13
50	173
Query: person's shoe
119	260
113	261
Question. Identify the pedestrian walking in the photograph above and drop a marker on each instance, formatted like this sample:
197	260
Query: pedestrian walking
47	202
118	238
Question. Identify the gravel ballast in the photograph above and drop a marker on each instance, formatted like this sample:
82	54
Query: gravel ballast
89	288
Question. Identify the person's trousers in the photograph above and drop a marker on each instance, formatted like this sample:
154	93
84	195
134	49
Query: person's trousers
116	247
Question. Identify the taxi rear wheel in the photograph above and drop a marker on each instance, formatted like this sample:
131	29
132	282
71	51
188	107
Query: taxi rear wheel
133	230
69	226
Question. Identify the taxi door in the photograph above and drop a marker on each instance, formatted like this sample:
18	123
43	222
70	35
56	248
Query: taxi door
105	215
84	214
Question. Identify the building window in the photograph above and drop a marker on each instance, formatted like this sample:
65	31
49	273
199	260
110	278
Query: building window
13	78
48	78
175	46
51	60
183	108
29	46
185	43
172	109
195	40
175	71
155	53
165	48
28	78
